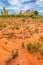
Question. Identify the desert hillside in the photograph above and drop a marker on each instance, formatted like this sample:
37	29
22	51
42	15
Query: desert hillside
21	41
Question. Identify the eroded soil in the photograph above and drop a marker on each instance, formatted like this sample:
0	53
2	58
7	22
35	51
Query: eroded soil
27	32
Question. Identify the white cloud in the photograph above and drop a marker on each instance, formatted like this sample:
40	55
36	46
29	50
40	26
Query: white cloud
13	2
17	2
39	2
27	6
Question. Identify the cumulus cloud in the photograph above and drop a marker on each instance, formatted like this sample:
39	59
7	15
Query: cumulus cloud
22	4
13	2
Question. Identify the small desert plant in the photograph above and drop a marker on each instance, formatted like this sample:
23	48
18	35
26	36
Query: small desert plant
35	46
16	25
29	46
2	25
14	54
41	52
22	44
11	34
23	20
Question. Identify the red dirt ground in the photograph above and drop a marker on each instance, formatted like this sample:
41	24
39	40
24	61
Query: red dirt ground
27	32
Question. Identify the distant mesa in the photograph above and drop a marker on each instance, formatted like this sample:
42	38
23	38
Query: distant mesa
27	12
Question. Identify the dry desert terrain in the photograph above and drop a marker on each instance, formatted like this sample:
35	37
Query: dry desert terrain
15	34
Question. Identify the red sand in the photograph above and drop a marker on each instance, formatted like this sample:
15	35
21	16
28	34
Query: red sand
27	34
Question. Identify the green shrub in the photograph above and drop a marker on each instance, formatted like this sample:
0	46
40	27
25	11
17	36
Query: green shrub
29	46
35	46
22	44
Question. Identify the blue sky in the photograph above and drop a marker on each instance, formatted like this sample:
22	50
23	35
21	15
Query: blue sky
17	5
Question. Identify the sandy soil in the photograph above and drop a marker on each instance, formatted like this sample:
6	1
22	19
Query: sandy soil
27	32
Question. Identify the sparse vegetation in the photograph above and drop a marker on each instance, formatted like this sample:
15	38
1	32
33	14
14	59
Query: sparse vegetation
21	29
29	46
16	26
33	13
23	20
41	50
33	47
36	47
14	54
2	25
22	44
11	34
